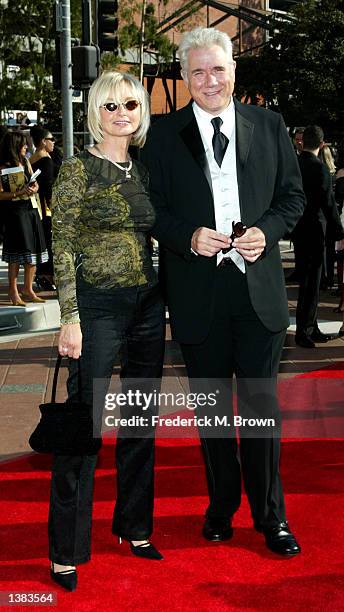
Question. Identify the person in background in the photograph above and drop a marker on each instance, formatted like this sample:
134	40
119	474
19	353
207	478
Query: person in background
320	212
24	242
325	154
57	157
41	159
111	309
327	275
3	131
298	140
339	196
295	275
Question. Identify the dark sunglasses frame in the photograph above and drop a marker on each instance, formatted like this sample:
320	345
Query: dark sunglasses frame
130	105
238	230
51	138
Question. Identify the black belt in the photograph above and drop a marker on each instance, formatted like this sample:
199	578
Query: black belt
226	261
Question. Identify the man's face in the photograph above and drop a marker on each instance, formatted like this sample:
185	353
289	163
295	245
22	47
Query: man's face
210	78
298	141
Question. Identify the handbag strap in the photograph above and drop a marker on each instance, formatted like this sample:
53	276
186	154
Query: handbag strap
56	375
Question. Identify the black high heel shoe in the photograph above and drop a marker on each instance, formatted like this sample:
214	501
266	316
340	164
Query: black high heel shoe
145	550
44	283
66	579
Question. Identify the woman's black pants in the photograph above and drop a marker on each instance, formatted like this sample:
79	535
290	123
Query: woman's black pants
125	325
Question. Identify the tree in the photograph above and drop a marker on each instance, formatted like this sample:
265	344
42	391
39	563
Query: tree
130	31
132	26
301	69
28	34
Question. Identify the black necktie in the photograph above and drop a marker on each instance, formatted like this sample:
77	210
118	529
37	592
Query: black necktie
220	141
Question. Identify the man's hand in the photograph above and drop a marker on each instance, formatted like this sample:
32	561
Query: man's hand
208	242
70	340
251	244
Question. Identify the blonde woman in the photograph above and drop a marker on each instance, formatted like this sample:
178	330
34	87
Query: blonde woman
111	309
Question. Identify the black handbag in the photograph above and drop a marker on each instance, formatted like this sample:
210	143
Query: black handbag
65	428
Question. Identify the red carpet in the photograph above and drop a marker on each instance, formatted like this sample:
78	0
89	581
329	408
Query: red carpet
195	575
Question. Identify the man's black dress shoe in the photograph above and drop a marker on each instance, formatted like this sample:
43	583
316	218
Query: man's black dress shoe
318	336
280	539
304	341
217	529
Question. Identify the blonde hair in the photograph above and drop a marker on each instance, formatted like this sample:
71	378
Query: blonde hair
113	85
327	157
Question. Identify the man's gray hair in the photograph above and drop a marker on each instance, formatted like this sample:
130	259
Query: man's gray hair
202	37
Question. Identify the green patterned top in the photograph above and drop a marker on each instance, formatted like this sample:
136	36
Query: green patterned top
98	213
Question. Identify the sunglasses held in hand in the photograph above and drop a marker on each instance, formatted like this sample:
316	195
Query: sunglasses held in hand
238	230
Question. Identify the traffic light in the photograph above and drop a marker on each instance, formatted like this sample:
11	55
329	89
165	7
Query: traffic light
107	25
85	64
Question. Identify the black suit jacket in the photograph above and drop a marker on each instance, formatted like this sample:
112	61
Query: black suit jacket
321	209
271	198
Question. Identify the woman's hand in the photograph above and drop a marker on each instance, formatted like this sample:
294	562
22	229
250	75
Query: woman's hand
33	187
70	340
28	189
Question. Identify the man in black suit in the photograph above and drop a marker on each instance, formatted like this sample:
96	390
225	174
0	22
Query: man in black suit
213	163
309	235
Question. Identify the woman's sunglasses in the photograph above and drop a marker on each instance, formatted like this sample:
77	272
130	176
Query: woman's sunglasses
130	105
238	230
51	138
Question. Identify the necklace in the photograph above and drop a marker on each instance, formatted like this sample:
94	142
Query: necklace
126	170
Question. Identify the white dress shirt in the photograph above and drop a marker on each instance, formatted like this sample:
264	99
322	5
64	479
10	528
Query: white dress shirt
224	180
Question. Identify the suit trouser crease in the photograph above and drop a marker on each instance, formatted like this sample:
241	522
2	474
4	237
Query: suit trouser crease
309	290
125	324
238	343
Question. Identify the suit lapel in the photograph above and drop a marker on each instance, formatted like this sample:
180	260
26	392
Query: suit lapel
244	135
191	136
193	141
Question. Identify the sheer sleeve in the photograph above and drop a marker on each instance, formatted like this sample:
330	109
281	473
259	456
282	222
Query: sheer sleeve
67	202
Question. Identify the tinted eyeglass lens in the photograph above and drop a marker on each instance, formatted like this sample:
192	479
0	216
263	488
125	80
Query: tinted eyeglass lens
238	229
130	105
111	107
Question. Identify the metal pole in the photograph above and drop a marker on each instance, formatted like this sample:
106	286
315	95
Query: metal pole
63	7
142	39
86	22
86	40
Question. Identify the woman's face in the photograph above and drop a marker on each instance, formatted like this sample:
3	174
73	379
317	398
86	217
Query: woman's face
49	143
22	150
121	122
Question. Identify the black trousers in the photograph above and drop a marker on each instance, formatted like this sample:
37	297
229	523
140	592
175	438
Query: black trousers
309	288
126	324
239	344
